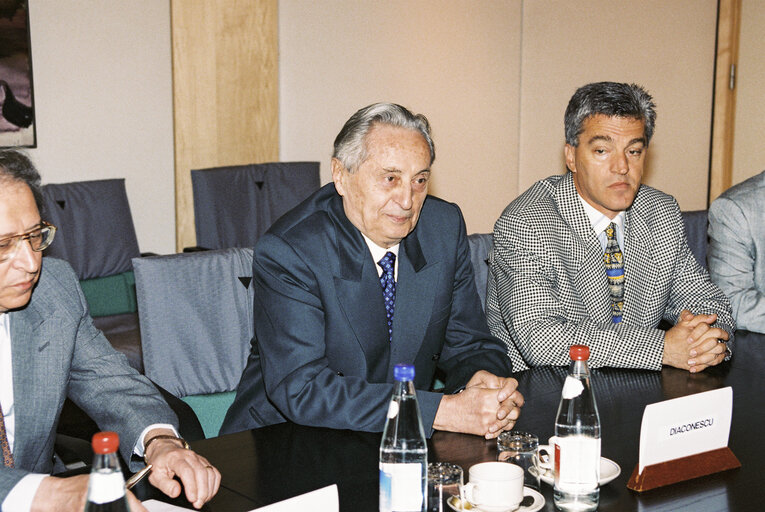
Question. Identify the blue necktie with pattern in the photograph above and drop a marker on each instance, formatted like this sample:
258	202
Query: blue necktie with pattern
615	273
388	283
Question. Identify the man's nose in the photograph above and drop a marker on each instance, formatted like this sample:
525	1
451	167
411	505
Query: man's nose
25	258
404	196
622	164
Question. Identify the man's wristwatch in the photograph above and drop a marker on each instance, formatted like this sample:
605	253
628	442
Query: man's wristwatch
166	436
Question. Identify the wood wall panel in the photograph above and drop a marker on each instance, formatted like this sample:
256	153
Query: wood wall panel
748	147
225	91
721	160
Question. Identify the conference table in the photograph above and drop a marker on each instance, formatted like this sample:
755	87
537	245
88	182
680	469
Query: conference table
273	463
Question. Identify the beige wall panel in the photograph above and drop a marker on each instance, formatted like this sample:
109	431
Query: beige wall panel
103	103
455	61
225	76
749	145
668	47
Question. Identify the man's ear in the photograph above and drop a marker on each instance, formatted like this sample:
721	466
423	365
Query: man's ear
338	175
570	153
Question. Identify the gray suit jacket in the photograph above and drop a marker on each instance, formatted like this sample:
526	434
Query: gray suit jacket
58	353
548	289
737	250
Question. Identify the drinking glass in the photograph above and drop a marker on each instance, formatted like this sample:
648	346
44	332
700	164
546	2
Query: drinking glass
520	448
444	484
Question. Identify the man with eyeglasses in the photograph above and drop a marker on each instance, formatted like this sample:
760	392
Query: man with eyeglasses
50	350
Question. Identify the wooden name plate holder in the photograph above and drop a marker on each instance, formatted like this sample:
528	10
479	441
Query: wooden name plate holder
685	468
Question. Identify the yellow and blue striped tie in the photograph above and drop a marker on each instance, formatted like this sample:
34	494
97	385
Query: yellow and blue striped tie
614	261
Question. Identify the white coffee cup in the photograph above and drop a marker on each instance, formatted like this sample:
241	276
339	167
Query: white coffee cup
495	486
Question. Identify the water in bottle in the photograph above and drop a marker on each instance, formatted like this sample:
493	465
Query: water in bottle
577	444
106	487
403	450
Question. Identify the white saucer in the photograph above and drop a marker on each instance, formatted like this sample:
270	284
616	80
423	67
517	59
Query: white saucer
539	502
608	471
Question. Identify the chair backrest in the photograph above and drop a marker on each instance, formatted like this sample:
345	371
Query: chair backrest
234	206
195	311
480	247
95	233
696	231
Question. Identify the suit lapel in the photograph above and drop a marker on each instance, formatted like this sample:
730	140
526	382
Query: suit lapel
589	273
359	293
415	293
639	266
32	369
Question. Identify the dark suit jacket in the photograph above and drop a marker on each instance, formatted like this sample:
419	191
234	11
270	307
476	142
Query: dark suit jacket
548	288
58	353
322	355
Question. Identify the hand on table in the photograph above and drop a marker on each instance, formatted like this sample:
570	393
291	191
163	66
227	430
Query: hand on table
170	459
693	344
487	406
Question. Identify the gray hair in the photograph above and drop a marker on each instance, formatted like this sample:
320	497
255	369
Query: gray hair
611	99
16	166
350	143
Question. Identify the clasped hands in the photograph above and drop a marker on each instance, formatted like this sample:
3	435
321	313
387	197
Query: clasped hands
693	344
487	406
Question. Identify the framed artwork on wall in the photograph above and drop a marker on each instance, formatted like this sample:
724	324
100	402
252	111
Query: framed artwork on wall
17	115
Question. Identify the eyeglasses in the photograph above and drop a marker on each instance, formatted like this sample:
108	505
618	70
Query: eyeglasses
39	239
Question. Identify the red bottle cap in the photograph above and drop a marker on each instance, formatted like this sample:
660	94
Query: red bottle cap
579	352
105	442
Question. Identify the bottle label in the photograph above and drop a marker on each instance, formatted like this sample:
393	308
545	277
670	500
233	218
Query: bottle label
105	487
572	388
577	463
401	487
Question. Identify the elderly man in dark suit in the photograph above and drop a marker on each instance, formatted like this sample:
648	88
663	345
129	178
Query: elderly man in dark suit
368	272
50	350
595	258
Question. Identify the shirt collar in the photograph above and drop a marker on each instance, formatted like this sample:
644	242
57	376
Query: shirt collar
599	221
378	253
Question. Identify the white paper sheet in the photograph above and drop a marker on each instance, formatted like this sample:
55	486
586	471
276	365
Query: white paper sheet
160	506
320	500
685	426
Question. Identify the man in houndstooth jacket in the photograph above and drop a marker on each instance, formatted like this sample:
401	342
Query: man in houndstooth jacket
548	287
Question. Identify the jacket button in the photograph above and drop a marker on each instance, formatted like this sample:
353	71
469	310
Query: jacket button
436	357
340	374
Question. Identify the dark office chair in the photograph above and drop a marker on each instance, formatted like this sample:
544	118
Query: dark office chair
196	320
97	237
696	230
234	206
95	228
480	247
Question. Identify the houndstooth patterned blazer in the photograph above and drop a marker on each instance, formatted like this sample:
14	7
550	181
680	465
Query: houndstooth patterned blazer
548	288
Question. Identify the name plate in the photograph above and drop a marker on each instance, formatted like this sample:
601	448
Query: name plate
685	426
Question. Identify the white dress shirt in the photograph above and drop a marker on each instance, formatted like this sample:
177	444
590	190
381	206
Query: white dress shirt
600	222
378	253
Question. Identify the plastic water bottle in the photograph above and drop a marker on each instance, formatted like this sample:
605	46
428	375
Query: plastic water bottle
577	444
403	450
106	487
